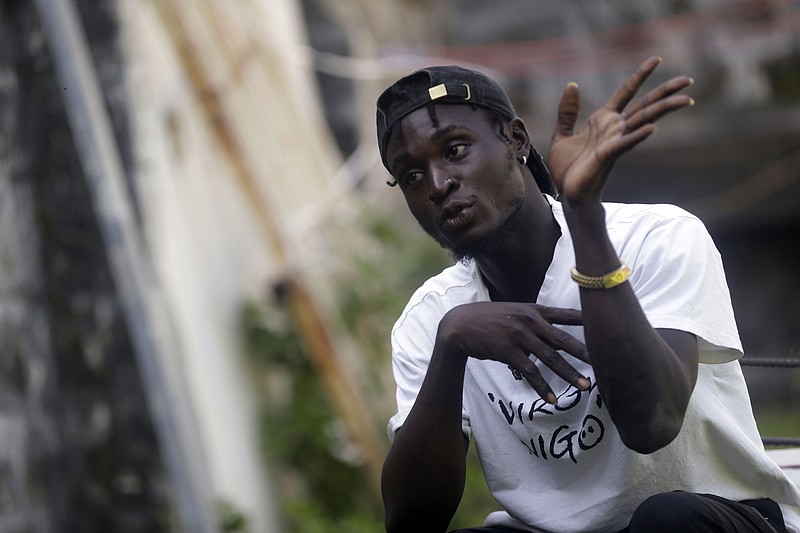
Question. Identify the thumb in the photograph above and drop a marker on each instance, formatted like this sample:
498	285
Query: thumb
567	111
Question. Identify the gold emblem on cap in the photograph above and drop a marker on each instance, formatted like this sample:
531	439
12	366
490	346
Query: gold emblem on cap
438	91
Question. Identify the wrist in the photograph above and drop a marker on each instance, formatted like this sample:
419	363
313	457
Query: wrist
449	337
586	221
607	281
594	253
584	212
459	336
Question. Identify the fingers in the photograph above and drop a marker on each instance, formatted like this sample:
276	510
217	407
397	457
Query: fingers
653	112
568	109
555	362
638	117
638	123
513	332
559	339
545	346
536	380
623	95
660	93
629	140
559	315
622	115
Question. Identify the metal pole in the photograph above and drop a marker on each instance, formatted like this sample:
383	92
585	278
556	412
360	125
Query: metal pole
145	314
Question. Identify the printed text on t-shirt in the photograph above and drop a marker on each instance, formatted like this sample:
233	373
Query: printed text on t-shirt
561	441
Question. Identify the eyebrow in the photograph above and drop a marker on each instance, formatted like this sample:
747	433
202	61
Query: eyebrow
438	134
397	160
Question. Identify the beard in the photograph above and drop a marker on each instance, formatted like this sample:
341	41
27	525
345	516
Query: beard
489	244
492	242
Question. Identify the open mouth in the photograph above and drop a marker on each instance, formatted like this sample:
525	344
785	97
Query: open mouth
455	217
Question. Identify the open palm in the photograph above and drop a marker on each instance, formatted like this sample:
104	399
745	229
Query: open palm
581	160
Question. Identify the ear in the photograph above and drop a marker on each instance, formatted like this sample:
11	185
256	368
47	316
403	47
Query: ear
520	139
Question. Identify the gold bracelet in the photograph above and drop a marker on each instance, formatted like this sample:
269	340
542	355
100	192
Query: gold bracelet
612	279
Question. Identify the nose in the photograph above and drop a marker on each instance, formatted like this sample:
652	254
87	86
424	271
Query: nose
440	187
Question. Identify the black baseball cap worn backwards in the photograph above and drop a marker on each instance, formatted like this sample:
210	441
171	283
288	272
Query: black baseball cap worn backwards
449	84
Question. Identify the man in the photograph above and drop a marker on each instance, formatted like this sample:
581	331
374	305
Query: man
587	349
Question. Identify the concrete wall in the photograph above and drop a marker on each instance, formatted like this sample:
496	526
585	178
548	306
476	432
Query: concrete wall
78	451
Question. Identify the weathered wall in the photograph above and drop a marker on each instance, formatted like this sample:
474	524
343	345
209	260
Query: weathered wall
220	139
78	451
28	410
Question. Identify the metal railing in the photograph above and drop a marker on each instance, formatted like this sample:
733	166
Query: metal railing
774	362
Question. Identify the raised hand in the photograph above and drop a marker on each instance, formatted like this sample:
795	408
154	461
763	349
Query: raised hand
511	332
581	160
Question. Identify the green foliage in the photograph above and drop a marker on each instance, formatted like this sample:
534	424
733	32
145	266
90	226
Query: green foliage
321	486
385	273
231	519
321	481
372	298
778	421
309	516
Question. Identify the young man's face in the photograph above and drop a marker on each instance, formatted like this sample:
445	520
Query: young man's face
460	178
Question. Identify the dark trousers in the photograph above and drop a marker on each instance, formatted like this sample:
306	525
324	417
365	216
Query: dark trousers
692	513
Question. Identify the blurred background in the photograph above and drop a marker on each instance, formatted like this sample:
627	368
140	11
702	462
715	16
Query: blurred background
200	261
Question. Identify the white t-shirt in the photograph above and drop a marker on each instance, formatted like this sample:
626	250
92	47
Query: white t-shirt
564	468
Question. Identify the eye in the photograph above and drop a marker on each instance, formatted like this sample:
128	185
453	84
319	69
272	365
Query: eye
412	177
457	150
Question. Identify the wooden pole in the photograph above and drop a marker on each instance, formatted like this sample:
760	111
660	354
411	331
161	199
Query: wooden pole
313	328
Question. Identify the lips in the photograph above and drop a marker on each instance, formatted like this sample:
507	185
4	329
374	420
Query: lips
455	216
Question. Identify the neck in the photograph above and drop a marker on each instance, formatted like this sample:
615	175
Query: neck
515	271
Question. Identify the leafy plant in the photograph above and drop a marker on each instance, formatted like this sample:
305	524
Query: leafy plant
323	485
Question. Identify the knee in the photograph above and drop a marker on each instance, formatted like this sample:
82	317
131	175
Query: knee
667	512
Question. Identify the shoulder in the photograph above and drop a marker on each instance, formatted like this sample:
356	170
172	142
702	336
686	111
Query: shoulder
455	285
618	214
656	224
634	216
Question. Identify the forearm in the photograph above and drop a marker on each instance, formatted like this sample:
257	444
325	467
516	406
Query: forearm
645	383
424	473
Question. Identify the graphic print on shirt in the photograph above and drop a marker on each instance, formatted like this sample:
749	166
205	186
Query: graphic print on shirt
564	440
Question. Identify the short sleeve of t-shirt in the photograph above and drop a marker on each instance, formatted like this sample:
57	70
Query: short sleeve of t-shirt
678	277
411	347
414	334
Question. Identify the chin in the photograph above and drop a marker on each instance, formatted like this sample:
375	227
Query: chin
488	245
466	253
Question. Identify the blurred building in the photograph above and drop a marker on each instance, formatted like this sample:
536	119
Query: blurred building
733	159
